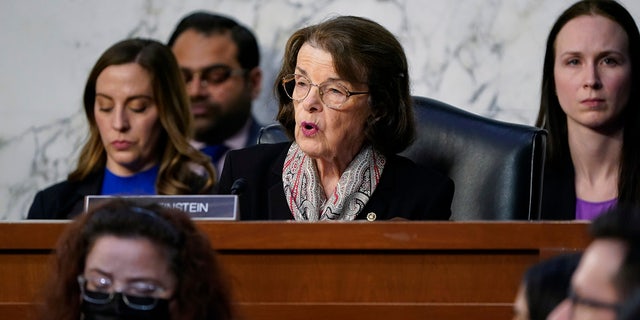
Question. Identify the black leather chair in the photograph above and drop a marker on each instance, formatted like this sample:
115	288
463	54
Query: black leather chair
272	133
497	166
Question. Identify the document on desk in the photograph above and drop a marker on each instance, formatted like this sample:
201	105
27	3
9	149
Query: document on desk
201	207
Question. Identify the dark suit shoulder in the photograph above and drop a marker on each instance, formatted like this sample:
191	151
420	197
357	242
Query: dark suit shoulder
412	174
262	151
47	202
261	168
63	200
412	191
254	159
405	165
250	162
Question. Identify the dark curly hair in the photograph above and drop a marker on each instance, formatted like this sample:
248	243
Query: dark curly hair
201	293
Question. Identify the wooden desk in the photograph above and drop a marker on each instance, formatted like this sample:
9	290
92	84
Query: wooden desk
360	270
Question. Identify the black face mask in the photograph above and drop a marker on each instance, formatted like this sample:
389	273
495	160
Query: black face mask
117	309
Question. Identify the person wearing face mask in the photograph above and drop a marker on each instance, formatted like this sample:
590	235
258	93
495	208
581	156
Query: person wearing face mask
139	128
344	97
590	108
123	261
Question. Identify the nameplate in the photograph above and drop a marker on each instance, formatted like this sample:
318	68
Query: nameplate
205	207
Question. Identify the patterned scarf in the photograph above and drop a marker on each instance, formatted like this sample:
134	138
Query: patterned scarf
306	196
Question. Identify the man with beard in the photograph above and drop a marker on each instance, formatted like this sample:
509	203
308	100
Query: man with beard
220	60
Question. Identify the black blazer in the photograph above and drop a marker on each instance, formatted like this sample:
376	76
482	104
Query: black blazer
559	192
64	200
405	190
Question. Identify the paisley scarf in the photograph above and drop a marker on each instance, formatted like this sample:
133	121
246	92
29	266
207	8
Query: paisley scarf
306	197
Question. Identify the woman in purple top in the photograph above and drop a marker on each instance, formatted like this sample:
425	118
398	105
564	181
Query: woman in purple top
589	106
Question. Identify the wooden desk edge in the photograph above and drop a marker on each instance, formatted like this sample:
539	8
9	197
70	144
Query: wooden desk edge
276	235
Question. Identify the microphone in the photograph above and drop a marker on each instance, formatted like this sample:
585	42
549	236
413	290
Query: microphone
238	186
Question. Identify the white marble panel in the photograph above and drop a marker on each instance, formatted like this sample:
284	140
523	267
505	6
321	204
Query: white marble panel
481	55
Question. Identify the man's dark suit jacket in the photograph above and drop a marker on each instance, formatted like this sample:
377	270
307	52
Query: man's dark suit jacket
405	190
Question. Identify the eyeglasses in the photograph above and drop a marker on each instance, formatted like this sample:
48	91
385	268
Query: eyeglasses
332	93
213	74
138	295
592	303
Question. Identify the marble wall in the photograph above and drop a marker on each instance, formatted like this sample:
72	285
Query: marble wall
484	56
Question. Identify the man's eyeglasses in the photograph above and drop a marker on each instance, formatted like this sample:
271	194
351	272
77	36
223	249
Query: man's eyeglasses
138	295
332	93
592	303
214	74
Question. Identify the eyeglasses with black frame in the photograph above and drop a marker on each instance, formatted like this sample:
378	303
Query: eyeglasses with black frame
213	74
138	295
332	93
576	300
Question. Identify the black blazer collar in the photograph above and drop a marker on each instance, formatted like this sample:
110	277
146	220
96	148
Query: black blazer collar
277	206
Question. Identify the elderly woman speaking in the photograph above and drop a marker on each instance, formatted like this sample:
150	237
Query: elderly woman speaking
344	98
